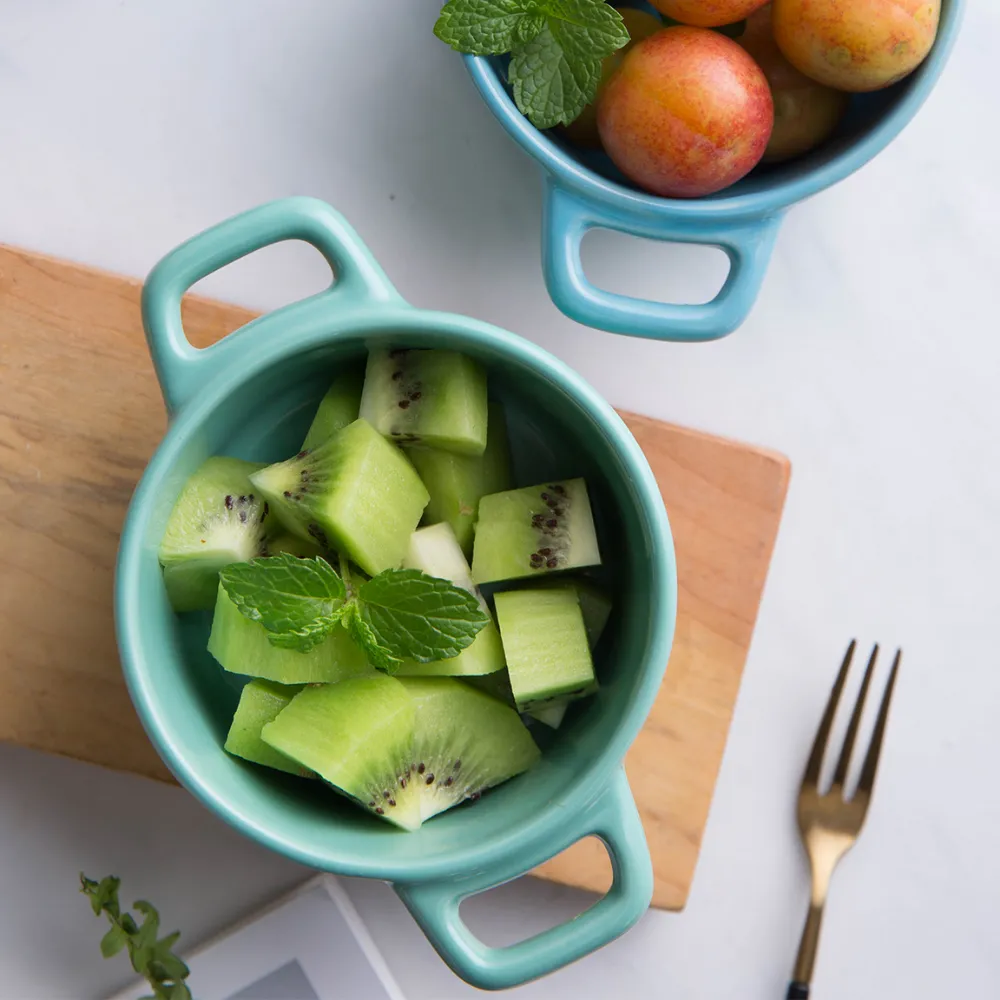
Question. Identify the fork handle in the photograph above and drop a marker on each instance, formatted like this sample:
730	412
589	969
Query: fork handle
797	991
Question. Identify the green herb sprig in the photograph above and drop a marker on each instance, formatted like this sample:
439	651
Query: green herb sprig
557	48
151	957
398	614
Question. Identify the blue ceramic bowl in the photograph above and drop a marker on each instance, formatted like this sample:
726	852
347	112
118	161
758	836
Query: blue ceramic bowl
583	190
252	395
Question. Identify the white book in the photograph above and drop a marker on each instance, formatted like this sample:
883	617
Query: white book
308	945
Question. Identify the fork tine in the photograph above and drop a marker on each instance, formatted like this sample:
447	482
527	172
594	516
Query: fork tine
815	764
867	780
844	763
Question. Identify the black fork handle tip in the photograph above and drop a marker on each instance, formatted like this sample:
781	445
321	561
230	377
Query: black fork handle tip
797	991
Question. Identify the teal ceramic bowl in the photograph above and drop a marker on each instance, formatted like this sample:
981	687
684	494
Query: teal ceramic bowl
583	191
252	395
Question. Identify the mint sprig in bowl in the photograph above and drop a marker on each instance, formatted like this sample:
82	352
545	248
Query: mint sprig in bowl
557	48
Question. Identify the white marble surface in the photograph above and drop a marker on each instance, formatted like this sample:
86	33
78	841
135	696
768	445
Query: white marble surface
871	360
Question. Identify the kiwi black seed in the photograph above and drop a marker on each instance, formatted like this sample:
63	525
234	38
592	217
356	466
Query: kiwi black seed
551	553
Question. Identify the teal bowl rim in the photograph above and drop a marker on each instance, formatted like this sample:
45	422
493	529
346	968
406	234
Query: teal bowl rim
781	195
399	319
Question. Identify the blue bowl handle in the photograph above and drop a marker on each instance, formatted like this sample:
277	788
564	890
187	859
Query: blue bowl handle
612	817
183	369
567	218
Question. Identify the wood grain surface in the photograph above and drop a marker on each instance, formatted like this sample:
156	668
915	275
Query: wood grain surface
80	415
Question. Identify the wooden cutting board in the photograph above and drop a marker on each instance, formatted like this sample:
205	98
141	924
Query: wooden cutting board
80	415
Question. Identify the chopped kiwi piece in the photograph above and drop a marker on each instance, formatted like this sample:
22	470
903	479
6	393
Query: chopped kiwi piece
338	408
594	602
358	736
285	541
533	531
260	703
404	749
435	551
218	519
242	647
357	494
432	398
456	482
595	606
464	742
545	643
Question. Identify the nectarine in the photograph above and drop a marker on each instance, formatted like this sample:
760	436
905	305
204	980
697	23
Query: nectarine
688	113
707	13
805	112
856	45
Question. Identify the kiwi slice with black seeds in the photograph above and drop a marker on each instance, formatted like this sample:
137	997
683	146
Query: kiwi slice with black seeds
356	494
404	749
218	519
533	531
427	397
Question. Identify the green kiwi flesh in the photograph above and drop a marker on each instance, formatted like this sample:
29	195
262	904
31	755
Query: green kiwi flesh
432	398
595	606
405	749
435	551
339	407
534	531
457	482
545	642
260	703
464	742
358	736
242	647
218	519
357	494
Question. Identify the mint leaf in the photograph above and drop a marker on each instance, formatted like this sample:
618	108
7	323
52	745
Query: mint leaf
361	632
113	941
530	26
556	74
556	48
419	617
550	86
603	25
481	27
297	600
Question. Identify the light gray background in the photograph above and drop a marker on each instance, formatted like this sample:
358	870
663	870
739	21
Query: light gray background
871	360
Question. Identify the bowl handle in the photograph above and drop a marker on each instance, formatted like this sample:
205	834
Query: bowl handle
183	369
748	244
612	817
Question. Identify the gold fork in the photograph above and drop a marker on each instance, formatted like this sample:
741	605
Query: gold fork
830	821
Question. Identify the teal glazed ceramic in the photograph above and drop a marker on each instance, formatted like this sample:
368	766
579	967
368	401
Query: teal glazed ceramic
584	191
252	395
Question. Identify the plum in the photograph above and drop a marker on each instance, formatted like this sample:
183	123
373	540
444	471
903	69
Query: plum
856	45
583	130
688	113
707	13
805	112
